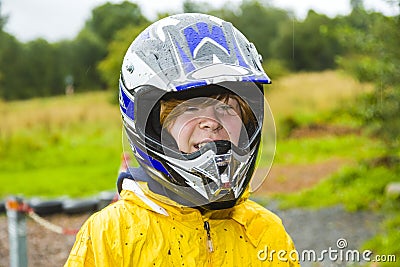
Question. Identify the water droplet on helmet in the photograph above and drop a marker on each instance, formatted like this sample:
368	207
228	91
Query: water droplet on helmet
130	68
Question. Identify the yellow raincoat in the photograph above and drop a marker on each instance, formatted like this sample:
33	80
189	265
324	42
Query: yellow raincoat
131	233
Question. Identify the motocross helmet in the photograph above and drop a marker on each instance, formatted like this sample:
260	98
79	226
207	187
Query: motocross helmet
185	57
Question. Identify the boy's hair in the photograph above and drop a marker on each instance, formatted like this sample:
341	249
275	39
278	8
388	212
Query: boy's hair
169	109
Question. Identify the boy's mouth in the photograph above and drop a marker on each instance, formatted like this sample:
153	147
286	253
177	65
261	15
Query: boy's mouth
201	144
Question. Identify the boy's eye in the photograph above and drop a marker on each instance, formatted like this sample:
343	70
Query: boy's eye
225	110
192	109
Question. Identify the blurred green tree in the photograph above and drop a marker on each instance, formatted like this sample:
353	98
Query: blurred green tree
357	4
107	19
64	52
110	66
191	6
99	33
87	51
310	44
373	55
41	66
11	67
93	58
3	19
260	22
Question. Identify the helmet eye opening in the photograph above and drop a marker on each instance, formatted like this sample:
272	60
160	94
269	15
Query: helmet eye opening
148	105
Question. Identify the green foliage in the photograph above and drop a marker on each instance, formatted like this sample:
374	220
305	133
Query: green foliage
388	241
371	41
88	51
295	45
190	6
276	68
3	20
40	54
260	23
107	19
379	111
90	46
363	43
374	56
39	68
110	66
357	4
10	67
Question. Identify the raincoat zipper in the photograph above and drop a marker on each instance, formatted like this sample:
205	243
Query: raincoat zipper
209	241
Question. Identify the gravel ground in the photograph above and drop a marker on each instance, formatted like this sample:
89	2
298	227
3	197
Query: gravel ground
323	229
45	248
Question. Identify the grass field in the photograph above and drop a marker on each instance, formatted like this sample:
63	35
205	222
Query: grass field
310	97
72	145
59	146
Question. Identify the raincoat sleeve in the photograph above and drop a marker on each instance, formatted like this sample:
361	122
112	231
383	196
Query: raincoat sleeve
97	242
82	252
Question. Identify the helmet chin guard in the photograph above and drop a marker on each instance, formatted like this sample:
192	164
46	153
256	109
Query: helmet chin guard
217	170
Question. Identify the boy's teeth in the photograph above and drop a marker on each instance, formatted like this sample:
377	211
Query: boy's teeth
199	146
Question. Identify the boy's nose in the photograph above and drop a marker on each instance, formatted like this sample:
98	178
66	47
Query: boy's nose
209	120
207	123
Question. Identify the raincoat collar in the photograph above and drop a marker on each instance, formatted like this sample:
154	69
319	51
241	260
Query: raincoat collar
246	212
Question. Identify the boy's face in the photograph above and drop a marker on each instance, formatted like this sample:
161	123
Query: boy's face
199	123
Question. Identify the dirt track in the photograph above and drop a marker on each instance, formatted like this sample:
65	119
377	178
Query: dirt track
293	178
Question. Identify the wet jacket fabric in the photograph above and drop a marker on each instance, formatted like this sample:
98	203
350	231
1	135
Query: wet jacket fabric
132	232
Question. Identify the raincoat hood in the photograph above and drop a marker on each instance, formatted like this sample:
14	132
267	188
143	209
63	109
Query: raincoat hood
243	214
150	189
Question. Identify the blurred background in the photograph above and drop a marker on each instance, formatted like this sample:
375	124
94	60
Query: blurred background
335	97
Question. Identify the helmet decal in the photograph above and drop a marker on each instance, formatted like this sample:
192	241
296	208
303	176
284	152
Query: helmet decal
187	64
213	40
150	161
180	45
198	39
210	45
126	105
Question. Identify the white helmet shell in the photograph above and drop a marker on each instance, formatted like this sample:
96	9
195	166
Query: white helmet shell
190	50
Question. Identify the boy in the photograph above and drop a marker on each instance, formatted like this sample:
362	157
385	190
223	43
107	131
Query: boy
191	98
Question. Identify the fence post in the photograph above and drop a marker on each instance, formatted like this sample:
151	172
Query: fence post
17	232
